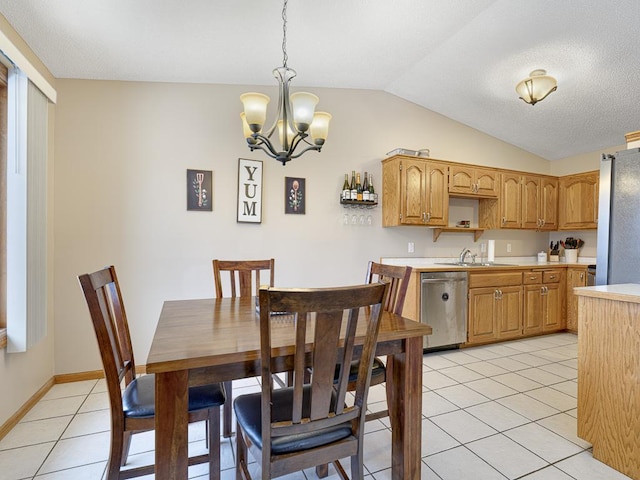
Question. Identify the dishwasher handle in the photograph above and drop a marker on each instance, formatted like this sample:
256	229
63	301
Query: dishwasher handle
437	280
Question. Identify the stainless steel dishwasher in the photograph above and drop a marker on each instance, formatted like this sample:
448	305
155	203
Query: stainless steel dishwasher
443	306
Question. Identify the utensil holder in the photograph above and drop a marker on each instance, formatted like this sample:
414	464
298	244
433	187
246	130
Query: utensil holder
571	255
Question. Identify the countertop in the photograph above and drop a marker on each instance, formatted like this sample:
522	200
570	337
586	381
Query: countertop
624	292
430	264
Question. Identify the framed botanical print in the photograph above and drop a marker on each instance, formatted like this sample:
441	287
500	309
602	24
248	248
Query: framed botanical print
199	193
294	195
249	191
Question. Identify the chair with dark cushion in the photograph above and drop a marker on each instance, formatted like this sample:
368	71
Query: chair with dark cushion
133	410
398	278
293	428
243	276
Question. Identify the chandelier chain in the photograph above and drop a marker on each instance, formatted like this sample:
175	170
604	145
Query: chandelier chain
285	57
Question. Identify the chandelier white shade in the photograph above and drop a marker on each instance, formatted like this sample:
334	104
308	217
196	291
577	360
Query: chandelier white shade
296	118
536	87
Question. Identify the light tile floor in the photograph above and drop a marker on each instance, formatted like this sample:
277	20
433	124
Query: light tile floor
490	412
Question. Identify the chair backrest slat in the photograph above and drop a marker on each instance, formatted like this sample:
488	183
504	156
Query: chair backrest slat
398	277
102	294
332	314
248	275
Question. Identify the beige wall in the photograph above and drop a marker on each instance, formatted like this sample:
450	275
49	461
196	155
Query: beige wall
582	163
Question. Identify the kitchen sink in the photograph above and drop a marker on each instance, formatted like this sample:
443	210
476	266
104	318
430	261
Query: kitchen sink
477	264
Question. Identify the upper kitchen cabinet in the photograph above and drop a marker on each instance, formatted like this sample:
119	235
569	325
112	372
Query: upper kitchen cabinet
468	181
525	202
578	201
414	192
539	202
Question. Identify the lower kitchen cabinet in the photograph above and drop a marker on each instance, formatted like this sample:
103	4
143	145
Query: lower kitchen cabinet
576	277
543	300
509	305
495	311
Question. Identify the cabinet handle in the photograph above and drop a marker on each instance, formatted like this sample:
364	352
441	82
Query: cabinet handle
428	217
424	217
532	278
581	275
543	222
552	277
504	220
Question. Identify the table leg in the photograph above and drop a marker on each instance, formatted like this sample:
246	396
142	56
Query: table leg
405	411
172	403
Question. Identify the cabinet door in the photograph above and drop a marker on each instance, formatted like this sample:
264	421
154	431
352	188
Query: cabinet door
487	182
482	305
578	201
413	187
576	277
533	309
437	195
509	312
511	201
552	308
549	203
461	179
530	202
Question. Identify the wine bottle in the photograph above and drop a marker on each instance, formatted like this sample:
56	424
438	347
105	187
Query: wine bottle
365	188
346	189
354	191
373	196
358	188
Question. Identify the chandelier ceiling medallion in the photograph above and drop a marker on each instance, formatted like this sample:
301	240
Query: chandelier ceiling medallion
296	119
536	87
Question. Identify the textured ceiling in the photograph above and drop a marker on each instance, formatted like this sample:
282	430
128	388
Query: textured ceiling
460	58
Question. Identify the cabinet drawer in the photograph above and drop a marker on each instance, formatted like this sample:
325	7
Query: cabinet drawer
477	280
551	276
531	278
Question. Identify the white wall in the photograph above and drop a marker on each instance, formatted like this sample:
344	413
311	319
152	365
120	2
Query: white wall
122	151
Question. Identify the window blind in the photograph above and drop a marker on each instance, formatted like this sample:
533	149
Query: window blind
26	214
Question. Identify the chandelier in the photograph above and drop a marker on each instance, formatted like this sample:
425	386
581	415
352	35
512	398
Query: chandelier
536	86
296	119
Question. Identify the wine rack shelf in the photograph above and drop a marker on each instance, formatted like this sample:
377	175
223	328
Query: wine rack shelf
357	204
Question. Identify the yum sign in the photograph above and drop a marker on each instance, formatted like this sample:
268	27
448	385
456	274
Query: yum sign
249	191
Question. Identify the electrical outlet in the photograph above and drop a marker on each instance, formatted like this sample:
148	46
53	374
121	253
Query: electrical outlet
411	247
508	248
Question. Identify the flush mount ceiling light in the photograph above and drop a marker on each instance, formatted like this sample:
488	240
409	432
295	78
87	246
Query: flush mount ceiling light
296	118
537	86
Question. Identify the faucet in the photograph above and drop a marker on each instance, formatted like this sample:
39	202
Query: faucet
463	254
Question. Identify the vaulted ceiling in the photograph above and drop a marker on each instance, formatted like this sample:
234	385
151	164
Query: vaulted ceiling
460	58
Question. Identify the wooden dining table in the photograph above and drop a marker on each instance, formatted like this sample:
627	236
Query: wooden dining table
214	340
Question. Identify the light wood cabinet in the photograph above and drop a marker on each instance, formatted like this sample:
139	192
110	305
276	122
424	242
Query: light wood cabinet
539	202
576	277
531	201
511	201
543	300
414	192
469	181
549	193
526	202
578	201
495	306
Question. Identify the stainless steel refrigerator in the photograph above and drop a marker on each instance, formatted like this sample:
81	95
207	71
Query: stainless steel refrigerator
618	253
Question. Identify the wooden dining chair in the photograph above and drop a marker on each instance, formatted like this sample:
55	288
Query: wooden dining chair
133	409
398	278
243	275
290	429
